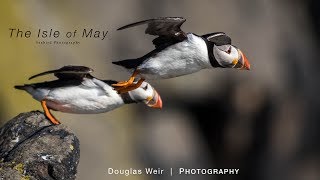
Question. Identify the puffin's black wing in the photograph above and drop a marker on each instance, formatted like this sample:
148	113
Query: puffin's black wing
218	38
67	72
167	28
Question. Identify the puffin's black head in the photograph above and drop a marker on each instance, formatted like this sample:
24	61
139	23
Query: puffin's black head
225	53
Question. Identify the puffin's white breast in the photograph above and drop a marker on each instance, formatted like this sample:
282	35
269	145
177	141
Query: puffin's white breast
83	99
186	57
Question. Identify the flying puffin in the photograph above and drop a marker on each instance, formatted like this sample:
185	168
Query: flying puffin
178	53
77	91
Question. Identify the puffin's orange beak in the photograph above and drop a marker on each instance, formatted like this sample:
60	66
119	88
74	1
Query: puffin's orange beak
245	65
155	101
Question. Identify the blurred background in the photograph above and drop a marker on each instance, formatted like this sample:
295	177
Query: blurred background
264	121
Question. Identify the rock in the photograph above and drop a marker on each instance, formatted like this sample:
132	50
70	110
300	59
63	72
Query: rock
32	148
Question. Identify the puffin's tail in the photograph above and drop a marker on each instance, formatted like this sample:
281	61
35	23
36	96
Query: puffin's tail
129	63
20	87
36	93
25	87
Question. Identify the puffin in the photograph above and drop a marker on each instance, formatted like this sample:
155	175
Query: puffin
77	91
178	53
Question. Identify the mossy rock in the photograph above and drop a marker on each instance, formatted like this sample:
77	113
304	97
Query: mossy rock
32	148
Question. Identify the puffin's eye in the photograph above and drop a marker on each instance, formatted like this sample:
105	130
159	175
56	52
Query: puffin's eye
229	50
146	87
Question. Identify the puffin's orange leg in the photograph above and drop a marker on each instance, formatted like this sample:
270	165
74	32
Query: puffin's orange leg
127	83
131	87
48	114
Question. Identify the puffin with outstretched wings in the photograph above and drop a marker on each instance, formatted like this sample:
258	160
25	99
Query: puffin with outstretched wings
77	91
178	53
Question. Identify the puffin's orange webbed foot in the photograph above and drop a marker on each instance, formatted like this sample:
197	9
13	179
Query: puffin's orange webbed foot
125	86
127	83
48	114
124	83
133	86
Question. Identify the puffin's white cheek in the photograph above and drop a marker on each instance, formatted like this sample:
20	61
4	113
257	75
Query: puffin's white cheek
222	57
